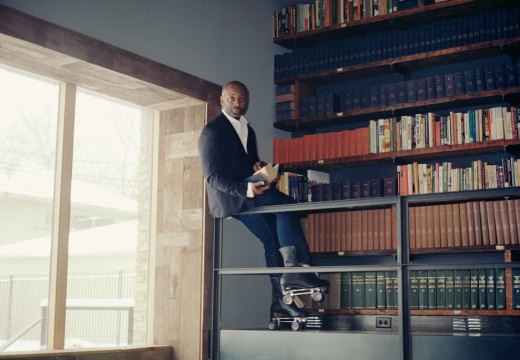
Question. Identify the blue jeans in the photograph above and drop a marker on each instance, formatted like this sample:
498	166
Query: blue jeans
276	230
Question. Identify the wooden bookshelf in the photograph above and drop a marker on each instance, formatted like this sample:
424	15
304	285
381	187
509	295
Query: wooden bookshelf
400	19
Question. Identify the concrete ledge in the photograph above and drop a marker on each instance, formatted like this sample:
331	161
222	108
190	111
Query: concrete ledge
127	353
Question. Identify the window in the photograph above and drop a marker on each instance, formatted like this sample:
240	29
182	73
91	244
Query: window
109	230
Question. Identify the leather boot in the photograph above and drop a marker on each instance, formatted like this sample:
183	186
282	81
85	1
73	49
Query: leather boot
279	307
298	280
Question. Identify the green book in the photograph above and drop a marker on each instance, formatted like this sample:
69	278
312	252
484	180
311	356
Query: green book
414	290
389	286
474	289
432	289
346	291
466	289
381	289
395	289
516	288
441	290
491	289
457	285
358	290
423	289
450	291
500	298
370	290
482	292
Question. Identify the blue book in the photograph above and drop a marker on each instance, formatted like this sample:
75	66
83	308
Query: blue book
512	75
392	94
449	86
374	96
347	101
402	92
469	81
480	79
490	78
420	89
410	91
430	88
459	83
383	95
440	86
344	192
500	76
365	98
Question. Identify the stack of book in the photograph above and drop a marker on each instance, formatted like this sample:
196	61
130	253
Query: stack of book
422	178
324	13
474	223
352	230
466	289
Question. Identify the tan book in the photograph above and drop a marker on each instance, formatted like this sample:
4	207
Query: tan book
457	240
476	223
364	230
381	217
424	226
505	222
418	228
356	226
449	225
321	232
436	226
443	225
337	231
329	232
310	232
411	227
349	231
471	223
464	236
430	240
517	215
388	229
393	221
376	228
370	230
491	223
498	222
343	231
513	225
484	222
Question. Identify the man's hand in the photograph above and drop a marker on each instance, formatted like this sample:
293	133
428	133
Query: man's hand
258	165
259	188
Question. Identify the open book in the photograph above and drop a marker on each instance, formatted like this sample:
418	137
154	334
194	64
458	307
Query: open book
267	174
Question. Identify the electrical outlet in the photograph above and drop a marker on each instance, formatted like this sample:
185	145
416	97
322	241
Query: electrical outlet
383	322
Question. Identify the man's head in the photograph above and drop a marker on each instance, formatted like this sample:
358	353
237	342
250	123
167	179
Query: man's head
234	99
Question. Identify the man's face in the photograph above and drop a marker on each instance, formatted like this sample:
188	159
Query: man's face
234	100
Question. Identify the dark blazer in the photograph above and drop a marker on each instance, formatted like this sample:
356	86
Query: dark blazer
225	165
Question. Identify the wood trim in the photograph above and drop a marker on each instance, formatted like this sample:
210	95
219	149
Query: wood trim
39	32
60	232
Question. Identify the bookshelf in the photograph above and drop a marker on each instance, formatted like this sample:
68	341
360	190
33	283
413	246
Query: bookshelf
413	330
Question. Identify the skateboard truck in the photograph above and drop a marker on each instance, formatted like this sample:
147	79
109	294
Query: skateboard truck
296	323
289	293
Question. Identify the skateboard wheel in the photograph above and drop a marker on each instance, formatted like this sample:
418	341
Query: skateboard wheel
272	325
295	325
287	299
317	296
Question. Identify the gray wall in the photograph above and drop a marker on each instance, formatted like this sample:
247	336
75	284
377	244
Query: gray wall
217	40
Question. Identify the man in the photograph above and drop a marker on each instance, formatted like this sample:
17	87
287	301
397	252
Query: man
229	154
